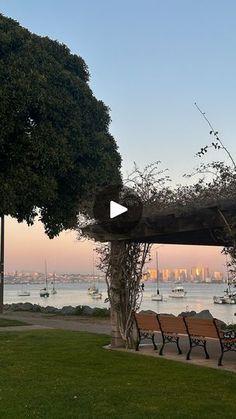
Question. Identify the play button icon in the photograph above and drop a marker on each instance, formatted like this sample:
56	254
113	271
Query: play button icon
116	209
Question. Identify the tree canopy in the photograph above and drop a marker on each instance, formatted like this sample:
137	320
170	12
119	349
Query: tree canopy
55	145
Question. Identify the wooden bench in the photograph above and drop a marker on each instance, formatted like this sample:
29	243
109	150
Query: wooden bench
147	325
200	330
171	328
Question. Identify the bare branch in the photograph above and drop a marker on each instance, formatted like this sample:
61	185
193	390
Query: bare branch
215	133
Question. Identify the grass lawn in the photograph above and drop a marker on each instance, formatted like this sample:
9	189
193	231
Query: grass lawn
62	374
11	322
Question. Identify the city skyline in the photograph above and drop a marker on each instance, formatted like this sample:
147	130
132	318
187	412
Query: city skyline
193	274
68	254
183	274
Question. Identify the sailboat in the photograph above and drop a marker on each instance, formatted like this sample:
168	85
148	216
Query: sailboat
53	291
23	292
44	291
157	296
94	290
229	296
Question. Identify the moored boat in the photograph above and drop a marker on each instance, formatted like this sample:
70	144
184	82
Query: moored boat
23	293
44	293
96	295
158	296
228	298
92	290
178	292
53	291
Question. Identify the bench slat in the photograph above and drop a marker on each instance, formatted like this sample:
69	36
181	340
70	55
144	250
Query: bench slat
201	327
147	322
171	324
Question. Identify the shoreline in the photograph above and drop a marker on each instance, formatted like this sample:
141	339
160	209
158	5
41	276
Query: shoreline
85	311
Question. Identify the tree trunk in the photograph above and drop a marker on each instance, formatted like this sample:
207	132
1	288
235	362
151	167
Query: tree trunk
116	339
115	294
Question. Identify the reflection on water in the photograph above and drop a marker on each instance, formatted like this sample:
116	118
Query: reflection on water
199	297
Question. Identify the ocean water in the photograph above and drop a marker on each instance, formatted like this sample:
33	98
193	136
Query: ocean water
199	297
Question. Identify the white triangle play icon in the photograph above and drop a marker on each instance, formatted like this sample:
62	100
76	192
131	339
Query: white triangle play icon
116	209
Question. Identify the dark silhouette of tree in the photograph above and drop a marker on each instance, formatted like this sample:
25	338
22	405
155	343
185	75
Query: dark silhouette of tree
55	145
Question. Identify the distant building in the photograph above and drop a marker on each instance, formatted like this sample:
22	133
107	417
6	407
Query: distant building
199	273
217	276
152	273
180	274
168	275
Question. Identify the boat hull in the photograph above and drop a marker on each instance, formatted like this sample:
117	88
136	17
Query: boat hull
178	292
157	297
96	296
224	300
44	294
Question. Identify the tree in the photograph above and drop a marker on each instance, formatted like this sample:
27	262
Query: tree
123	261
55	145
222	183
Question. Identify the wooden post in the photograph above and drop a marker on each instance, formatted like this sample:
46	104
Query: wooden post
116	339
2	264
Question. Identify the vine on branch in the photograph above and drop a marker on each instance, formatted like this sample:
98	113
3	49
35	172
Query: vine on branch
123	261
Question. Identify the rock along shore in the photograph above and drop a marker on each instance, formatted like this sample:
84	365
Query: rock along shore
87	310
66	310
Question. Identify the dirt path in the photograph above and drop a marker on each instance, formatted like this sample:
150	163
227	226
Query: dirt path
75	323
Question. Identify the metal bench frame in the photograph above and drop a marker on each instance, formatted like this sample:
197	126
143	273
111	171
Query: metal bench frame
145	334
227	341
168	337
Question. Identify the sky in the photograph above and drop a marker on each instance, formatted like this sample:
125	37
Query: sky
149	61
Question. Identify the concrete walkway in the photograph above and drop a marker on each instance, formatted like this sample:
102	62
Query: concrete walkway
74	323
23	328
197	355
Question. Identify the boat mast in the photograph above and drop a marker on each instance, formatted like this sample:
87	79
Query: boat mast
228	281
94	285
157	269
46	275
53	286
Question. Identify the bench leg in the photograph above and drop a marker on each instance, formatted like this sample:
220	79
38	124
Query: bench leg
221	355
177	343
169	339
194	342
145	335
190	350
220	359
226	346
205	349
162	347
138	341
154	343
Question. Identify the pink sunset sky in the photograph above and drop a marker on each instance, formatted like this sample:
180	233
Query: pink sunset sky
27	248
